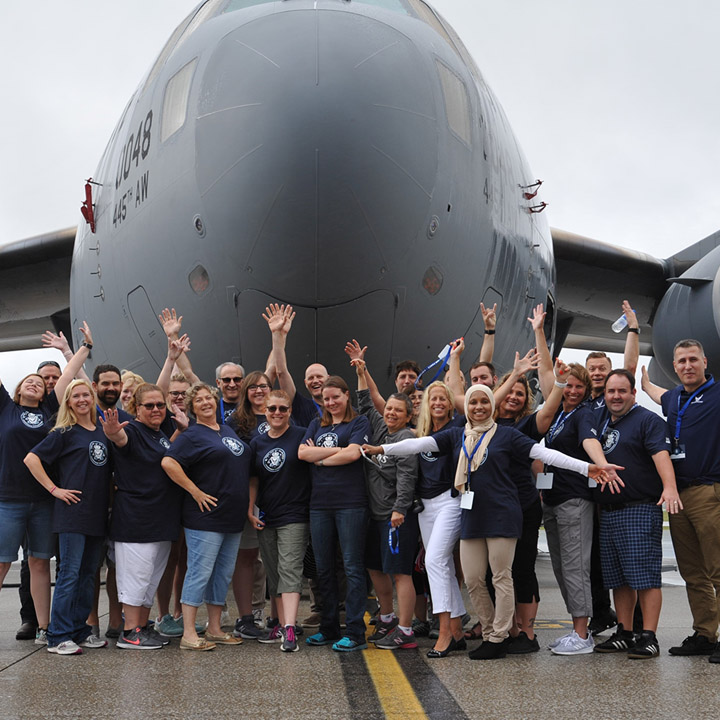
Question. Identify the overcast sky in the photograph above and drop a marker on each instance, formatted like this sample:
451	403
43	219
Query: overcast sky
615	105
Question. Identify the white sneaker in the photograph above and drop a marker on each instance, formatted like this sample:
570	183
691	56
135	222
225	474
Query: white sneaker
557	641
68	647
573	644
226	620
93	641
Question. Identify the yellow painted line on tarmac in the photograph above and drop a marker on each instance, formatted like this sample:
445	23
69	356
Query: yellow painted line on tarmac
393	689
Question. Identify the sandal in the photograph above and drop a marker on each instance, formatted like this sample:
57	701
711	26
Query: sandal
199	644
474	633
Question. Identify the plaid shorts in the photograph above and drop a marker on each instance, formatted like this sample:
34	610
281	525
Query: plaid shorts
631	547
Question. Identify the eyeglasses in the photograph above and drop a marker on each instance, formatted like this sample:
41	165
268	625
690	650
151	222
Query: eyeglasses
262	386
228	380
177	393
277	408
152	406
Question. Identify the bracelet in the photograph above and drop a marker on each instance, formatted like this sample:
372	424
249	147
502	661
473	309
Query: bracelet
87	345
54	488
635	330
560	385
489	332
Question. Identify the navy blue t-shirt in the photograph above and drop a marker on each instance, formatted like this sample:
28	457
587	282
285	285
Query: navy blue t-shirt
566	435
698	433
80	460
283	480
224	411
147	503
21	429
341	487
496	510
304	410
521	469
123	415
599	410
261	427
437	471
631	442
218	462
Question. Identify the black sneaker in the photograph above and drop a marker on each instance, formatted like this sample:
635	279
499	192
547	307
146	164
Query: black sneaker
382	629
646	646
620	641
245	628
490	651
137	639
600	623
522	645
715	657
693	645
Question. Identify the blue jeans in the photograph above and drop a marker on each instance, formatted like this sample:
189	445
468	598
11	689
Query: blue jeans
19	520
74	587
211	558
349	527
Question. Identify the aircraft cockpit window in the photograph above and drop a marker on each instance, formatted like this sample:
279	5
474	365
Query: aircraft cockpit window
426	13
457	105
234	5
399	6
175	102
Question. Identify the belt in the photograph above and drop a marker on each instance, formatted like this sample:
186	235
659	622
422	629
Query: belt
623	506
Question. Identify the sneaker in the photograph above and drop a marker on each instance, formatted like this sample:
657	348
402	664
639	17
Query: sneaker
645	647
273	635
620	641
693	645
257	618
522	645
397	640
347	644
382	629
168	626
602	622
67	647
95	630
421	628
138	639
113	632
557	641
155	635
319	639
289	641
245	628
299	630
573	644
715	657
490	651
312	621
41	637
225	619
93	642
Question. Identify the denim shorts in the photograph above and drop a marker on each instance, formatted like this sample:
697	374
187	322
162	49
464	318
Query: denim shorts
18	519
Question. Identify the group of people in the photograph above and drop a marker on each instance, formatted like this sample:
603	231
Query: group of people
202	478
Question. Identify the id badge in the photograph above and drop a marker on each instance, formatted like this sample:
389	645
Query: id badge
544	481
466	500
592	483
678	453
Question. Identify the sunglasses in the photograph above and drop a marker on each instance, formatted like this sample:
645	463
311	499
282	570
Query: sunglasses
152	406
228	380
277	408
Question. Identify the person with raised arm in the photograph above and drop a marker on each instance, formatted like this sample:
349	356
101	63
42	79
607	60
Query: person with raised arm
25	507
491	519
78	453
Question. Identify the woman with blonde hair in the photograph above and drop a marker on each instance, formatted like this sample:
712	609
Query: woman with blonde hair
77	450
130	382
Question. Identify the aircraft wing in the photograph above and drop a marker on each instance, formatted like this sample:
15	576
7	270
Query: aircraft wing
35	288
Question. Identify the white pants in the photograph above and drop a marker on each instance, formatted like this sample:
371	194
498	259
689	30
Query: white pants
440	529
139	569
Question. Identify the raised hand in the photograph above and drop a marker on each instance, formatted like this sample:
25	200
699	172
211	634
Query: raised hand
489	316
181	419
170	322
359	365
529	361
457	347
630	315
59	342
111	425
87	335
354	351
561	371
177	347
538	317
279	318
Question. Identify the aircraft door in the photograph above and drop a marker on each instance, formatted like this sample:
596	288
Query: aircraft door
147	325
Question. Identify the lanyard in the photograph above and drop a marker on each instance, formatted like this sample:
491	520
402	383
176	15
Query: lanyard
607	422
681	413
472	455
393	539
443	361
561	418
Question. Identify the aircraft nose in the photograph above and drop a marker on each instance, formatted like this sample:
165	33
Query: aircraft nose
316	150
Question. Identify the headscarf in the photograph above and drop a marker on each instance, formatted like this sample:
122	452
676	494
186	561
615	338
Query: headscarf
473	433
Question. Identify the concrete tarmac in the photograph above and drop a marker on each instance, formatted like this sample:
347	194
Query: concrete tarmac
259	681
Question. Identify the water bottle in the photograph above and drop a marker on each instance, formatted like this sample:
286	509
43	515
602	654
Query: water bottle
620	324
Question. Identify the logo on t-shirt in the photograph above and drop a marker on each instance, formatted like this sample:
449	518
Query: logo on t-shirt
165	443
697	400
429	457
485	456
263	428
327	440
233	445
98	453
31	419
610	441
274	460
